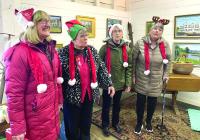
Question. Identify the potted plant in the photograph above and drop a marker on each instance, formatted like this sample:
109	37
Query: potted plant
182	65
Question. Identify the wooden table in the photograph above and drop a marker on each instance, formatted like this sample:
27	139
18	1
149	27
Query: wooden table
178	82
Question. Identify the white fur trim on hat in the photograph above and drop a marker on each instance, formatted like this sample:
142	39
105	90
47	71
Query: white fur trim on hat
165	61
113	26
94	85
147	72
60	80
30	24
72	82
125	64
41	88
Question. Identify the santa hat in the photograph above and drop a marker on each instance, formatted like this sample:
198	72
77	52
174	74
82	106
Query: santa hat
108	58
72	79
113	26
74	26
159	22
147	58
24	17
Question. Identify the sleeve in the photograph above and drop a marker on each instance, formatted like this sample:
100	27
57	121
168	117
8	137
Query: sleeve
168	55
102	53
135	53
60	95
129	69
16	76
103	78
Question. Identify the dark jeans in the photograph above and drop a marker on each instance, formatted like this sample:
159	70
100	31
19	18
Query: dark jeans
140	105
115	108
78	120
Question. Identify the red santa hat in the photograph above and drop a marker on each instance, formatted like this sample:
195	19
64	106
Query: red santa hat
147	58
24	17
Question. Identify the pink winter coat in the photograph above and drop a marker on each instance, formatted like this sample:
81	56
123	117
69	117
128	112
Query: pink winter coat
32	113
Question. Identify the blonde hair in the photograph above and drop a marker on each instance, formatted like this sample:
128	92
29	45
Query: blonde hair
31	33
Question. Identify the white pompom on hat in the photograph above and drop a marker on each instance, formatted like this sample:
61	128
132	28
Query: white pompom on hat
24	17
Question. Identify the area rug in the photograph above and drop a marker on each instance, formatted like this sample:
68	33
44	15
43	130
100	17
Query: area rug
177	126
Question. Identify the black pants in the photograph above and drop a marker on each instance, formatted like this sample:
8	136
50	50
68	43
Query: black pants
140	105
78	120
115	108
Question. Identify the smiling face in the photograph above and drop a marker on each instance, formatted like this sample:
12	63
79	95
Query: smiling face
155	33
43	29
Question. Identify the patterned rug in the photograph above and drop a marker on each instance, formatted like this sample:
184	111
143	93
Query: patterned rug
177	126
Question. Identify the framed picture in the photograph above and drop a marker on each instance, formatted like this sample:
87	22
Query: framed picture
89	23
187	26
109	23
149	24
59	46
191	51
56	24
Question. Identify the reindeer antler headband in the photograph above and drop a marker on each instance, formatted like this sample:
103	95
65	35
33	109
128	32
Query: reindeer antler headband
158	20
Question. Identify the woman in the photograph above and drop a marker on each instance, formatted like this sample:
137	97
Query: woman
33	81
82	72
117	56
151	59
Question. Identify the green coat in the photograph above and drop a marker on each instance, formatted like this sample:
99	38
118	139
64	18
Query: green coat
121	77
150	85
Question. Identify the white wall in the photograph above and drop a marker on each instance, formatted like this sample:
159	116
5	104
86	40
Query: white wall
143	10
68	10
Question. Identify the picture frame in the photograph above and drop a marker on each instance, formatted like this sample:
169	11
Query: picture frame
89	23
110	22
187	26
149	24
190	50
59	46
56	24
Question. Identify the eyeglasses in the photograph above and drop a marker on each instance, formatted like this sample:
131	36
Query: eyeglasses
45	22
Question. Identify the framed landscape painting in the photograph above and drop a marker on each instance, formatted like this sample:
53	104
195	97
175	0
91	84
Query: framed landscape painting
109	23
56	24
89	23
149	24
187	26
191	51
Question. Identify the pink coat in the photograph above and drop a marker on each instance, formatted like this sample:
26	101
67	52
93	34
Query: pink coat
35	114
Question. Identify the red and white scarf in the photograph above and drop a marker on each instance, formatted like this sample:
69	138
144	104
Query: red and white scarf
147	58
72	79
108	58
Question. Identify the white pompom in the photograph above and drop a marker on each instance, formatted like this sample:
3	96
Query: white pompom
125	64
72	82
94	85
60	80
165	61
147	72
30	24
109	75
41	88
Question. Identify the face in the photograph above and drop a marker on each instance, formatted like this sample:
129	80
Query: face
156	33
81	39
43	28
117	34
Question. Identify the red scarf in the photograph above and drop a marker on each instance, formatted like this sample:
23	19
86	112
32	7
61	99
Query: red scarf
147	58
72	80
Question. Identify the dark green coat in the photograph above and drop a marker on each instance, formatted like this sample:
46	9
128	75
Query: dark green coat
121	77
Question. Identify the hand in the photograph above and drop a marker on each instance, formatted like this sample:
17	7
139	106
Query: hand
19	137
128	89
60	107
165	78
111	91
